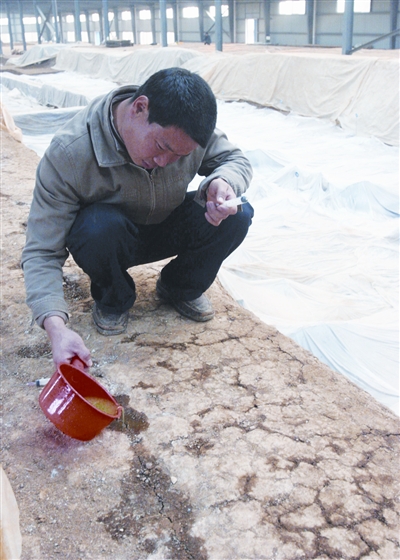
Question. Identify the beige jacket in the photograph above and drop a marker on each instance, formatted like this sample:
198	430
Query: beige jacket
85	163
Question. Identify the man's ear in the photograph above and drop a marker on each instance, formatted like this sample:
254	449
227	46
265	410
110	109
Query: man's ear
141	105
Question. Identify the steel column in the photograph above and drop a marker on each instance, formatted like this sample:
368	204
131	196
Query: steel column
218	26
267	20
101	27
231	18
133	24
311	13
347	36
106	25
116	23
178	27
21	23
394	8
77	21
201	20
39	33
87	18
175	16
10	31
153	25
234	22
61	27
55	15
163	19
314	29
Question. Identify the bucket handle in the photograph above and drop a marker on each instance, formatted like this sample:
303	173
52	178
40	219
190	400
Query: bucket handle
78	363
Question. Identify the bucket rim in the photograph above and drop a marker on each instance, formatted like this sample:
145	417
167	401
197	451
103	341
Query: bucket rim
119	408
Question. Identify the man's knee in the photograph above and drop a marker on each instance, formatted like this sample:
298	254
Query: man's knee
96	225
240	222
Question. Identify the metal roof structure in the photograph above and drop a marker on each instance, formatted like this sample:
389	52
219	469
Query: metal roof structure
30	7
48	14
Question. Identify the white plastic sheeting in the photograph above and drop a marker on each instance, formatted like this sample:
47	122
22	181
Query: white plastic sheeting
321	260
54	90
126	67
40	104
359	92
36	55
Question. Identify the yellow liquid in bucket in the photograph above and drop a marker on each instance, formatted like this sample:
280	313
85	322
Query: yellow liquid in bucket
104	405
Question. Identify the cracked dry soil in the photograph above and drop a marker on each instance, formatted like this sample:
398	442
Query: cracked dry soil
236	443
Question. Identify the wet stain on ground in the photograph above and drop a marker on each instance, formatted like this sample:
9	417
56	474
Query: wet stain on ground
34	350
143	385
204	372
199	446
167	365
74	290
15	266
151	509
131	421
247	483
129	339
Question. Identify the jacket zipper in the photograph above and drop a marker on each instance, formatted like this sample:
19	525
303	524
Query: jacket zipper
152	196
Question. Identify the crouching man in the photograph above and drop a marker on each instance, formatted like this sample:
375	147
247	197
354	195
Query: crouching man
111	190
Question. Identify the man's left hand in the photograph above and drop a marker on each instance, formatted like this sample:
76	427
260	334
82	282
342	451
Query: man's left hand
218	192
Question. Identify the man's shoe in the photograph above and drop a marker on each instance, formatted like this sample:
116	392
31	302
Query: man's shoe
109	323
199	309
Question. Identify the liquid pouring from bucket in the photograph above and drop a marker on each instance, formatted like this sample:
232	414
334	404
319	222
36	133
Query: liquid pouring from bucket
76	403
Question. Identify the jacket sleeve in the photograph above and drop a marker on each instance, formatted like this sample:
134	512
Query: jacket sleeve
224	160
53	211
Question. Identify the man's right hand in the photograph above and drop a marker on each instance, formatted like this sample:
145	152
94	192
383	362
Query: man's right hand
65	343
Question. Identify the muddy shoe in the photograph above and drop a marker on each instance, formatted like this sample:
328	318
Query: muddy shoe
110	323
199	309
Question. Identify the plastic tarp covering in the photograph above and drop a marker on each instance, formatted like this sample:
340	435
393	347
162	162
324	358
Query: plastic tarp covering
36	55
41	104
52	89
35	123
320	261
125	68
359	93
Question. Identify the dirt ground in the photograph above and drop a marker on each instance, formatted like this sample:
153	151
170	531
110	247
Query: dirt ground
52	522
237	443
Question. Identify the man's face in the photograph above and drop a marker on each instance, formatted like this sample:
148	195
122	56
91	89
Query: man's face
151	145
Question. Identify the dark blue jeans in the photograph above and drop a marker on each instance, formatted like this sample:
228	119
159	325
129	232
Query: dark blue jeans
104	242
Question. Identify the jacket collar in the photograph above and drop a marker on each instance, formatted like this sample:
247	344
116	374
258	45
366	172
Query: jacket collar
108	147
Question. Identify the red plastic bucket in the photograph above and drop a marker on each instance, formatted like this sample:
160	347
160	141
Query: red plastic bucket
66	402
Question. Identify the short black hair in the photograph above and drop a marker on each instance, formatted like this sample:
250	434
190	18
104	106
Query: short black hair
182	99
